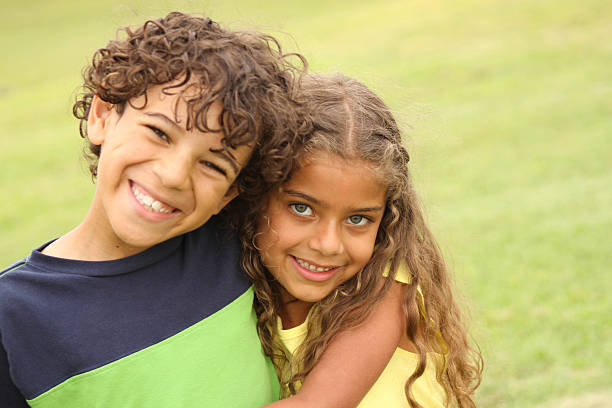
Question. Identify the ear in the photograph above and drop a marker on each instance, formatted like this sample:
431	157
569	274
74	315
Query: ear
230	194
98	120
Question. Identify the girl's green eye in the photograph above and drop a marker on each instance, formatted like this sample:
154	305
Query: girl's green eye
357	220
301	209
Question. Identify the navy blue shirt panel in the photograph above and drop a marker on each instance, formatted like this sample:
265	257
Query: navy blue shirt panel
9	394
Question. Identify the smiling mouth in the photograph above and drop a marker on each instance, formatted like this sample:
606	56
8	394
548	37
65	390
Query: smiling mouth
148	202
313	268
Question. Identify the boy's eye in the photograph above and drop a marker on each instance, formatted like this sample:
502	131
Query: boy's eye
160	133
357	220
216	168
301	209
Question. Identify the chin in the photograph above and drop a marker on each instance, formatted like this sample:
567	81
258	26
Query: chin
312	297
139	244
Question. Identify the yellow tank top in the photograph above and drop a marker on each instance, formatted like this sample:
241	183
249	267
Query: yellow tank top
388	391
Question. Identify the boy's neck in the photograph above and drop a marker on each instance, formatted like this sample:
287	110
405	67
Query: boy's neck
80	245
89	241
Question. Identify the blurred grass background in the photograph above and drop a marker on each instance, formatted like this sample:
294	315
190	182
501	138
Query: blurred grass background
507	107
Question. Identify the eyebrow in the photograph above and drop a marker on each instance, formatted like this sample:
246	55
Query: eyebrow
313	200
226	155
221	152
165	119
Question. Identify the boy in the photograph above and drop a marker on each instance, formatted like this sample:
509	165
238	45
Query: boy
140	305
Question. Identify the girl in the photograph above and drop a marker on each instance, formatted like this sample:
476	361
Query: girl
317	249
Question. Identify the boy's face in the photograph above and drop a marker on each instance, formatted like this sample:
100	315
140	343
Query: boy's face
156	180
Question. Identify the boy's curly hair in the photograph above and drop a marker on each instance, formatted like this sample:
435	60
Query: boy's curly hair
246	71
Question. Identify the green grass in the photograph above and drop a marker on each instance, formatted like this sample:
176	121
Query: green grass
508	113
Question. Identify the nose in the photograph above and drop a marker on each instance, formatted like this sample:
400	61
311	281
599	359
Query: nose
173	169
327	239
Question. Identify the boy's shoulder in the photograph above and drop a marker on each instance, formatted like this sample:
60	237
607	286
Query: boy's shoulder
11	282
23	264
15	265
15	268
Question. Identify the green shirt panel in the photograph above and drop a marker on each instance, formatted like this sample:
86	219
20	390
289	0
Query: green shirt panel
217	362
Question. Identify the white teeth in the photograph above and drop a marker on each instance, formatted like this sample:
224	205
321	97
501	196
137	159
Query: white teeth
150	203
313	268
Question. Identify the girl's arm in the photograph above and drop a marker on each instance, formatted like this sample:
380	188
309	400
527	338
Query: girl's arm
354	360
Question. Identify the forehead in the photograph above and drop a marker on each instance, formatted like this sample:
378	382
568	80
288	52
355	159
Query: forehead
335	180
182	104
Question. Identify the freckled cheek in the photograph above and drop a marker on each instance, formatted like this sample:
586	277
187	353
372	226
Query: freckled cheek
272	225
267	236
265	242
363	252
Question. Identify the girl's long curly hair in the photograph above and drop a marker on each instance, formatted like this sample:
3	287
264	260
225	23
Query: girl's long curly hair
246	71
351	122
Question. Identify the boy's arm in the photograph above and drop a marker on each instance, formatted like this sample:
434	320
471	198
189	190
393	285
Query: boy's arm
354	360
9	394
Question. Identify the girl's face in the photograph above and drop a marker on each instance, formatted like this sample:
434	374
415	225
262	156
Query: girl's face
319	230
